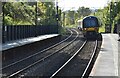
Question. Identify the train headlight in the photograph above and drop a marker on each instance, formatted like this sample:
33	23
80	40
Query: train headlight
85	28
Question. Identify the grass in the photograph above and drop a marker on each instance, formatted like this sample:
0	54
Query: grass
102	29
62	31
72	26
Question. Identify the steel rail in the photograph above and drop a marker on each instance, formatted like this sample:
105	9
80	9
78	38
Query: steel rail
85	73
18	72
55	73
37	52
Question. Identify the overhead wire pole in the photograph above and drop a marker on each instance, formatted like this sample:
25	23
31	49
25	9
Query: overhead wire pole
114	15
63	13
57	14
1	29
36	20
36	14
3	3
94	10
3	20
110	17
63	18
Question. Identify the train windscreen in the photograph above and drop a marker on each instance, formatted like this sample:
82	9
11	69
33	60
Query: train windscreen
90	23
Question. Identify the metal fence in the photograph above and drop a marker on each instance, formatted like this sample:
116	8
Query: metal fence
10	33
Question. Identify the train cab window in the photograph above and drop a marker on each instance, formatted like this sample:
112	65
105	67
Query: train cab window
90	23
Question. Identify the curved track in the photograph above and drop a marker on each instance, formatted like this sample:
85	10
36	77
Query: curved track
47	58
37	52
69	40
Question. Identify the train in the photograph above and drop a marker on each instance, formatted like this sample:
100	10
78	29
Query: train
89	26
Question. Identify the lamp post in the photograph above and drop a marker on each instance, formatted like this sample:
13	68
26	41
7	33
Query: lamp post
115	22
63	18
110	17
57	11
115	9
36	14
57	14
113	12
3	3
3	22
36	19
49	14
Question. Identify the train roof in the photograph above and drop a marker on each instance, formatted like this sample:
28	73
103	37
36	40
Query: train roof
96	18
90	17
79	21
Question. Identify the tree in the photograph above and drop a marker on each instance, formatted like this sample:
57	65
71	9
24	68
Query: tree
82	12
72	16
26	13
18	13
47	13
70	19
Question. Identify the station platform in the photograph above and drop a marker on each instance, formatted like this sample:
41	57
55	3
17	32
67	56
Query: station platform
106	63
21	42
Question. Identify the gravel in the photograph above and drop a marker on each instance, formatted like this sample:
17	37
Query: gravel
49	66
25	63
26	53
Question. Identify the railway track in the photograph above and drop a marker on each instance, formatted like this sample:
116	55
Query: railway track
91	62
61	69
17	73
54	74
66	68
4	67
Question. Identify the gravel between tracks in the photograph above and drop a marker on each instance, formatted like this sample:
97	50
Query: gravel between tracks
73	69
27	53
29	61
79	63
14	54
77	66
49	66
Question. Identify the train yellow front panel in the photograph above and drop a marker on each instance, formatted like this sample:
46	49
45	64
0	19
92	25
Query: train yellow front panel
90	29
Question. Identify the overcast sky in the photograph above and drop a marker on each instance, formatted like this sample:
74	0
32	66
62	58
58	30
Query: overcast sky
75	4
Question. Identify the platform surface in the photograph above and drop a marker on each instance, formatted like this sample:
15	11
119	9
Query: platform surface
21	42
106	63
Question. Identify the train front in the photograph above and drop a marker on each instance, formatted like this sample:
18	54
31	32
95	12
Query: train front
90	26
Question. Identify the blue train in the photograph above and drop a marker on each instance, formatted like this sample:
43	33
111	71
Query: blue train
90	26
